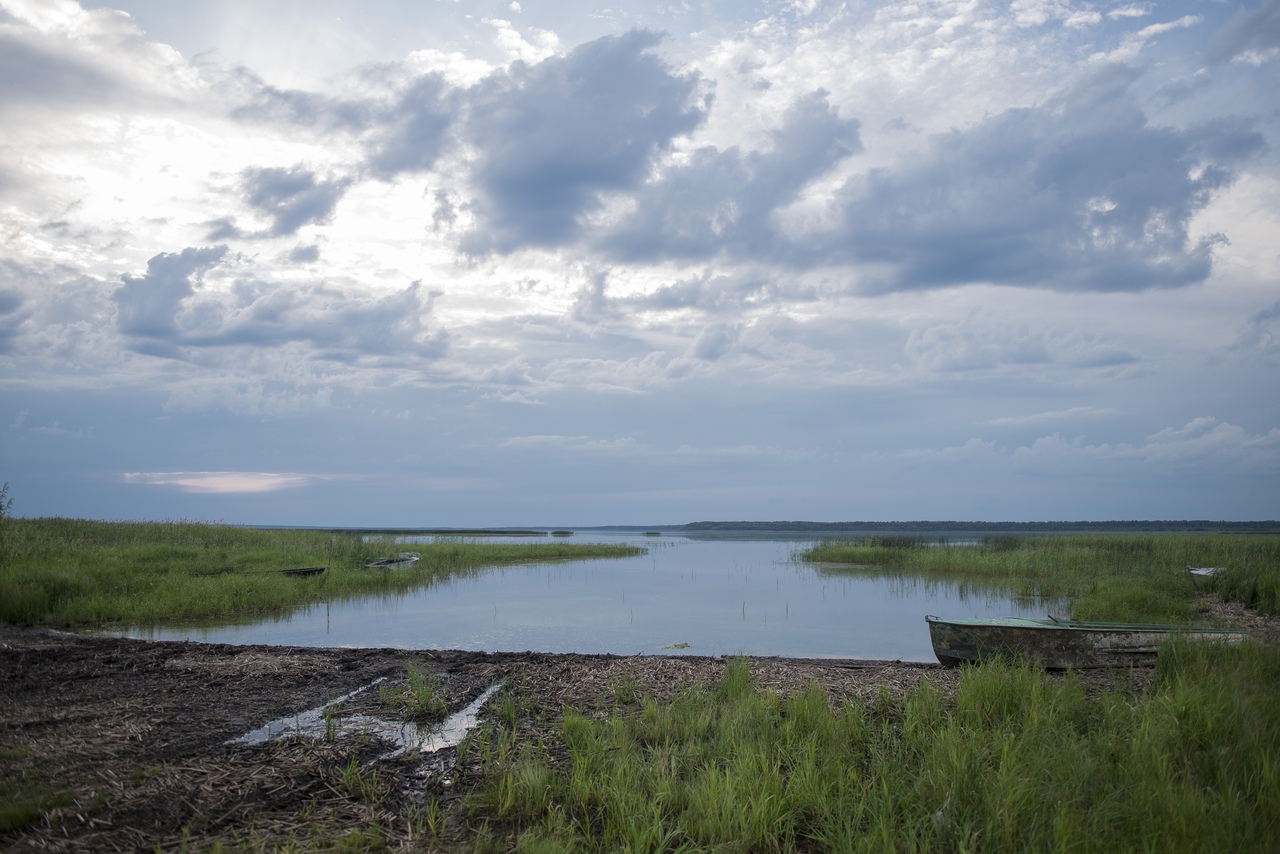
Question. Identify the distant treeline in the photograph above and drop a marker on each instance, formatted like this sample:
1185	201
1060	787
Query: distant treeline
1184	526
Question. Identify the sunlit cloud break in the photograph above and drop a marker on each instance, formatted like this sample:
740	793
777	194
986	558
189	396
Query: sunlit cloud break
486	266
221	482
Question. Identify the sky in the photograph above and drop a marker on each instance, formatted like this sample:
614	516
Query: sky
453	264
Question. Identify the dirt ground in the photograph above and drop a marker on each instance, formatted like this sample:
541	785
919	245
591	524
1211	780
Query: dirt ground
130	739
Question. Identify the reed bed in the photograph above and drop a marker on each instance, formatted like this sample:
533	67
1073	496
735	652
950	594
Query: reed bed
1015	760
1132	577
74	572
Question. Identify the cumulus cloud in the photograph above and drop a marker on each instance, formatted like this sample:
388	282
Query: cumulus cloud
1080	194
165	313
552	137
410	135
722	201
292	197
147	305
255	100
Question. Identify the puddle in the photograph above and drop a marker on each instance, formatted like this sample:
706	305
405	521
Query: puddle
310	722
456	726
406	735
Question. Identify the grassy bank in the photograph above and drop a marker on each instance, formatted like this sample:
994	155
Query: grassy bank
73	571
1132	577
1016	760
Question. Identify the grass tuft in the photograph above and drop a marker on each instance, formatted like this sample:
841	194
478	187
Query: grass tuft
420	696
1017	760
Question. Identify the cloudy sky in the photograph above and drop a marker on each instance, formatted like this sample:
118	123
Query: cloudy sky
427	262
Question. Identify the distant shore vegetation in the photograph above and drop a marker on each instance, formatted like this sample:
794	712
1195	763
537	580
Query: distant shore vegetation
1185	526
1105	577
56	571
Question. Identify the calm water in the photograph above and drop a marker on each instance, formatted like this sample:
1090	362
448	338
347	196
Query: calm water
719	597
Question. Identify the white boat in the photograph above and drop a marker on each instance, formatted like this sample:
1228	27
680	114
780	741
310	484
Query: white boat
400	561
1208	573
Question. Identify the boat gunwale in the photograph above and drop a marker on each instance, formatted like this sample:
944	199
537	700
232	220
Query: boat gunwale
1052	624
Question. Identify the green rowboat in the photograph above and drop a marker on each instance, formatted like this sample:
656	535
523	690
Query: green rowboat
1059	643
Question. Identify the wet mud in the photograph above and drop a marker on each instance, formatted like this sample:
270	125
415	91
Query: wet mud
146	743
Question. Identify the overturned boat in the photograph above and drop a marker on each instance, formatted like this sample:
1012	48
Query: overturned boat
1060	643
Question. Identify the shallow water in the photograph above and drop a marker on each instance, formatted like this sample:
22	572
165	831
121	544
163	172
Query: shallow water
720	597
407	736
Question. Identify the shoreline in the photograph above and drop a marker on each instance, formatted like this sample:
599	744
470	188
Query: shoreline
130	738
125	744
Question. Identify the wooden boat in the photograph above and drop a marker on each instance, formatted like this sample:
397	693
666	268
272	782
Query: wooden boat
400	561
306	570
1059	643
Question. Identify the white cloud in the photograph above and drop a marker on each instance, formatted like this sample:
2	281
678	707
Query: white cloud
585	444
1074	412
222	482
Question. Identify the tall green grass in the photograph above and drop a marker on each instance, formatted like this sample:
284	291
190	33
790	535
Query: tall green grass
1017	760
74	571
1134	577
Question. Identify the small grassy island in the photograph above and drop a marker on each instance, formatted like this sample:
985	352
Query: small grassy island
653	753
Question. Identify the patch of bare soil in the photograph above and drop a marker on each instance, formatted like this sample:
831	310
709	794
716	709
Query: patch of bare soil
134	737
1233	615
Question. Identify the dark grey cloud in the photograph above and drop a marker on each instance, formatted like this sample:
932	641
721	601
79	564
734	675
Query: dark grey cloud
340	326
412	132
1079	194
147	305
722	201
403	127
222	228
305	254
723	294
292	197
1249	29
553	136
258	101
165	315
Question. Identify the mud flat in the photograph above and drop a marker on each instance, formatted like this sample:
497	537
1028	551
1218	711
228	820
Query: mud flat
134	744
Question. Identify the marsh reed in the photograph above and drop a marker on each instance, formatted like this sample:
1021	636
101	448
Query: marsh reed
76	572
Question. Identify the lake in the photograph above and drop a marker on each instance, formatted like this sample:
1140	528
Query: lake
718	596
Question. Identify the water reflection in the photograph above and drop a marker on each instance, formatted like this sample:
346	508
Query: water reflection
717	596
326	721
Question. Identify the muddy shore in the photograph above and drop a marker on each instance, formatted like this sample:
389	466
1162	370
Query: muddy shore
133	735
129	739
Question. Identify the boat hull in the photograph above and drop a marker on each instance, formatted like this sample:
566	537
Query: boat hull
1060	644
303	571
400	561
